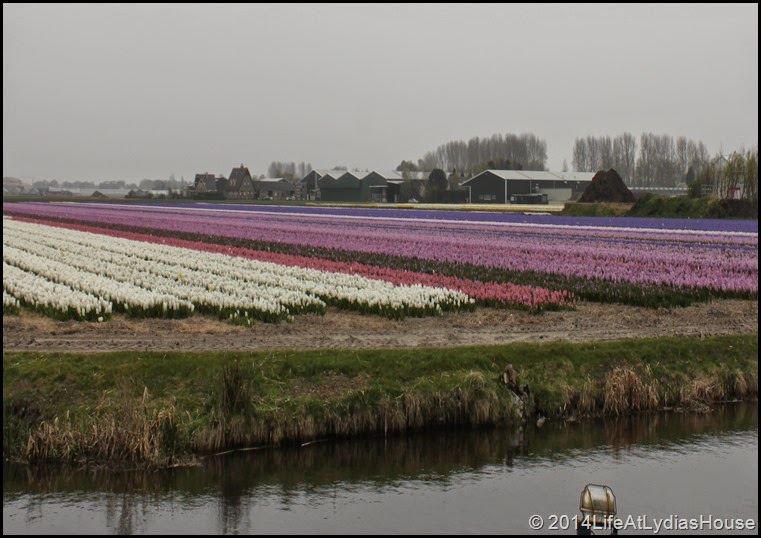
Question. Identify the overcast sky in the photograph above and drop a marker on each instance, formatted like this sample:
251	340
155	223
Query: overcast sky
109	92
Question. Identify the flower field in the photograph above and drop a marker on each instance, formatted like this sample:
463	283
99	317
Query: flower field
247	263
84	276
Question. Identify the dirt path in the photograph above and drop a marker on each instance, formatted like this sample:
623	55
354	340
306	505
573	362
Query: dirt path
338	329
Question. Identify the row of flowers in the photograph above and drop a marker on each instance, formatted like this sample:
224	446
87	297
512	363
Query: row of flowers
52	299
711	231
124	297
10	304
653	268
231	287
462	216
532	298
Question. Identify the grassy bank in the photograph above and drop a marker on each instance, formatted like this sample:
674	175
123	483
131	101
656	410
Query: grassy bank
650	205
141	408
655	206
600	209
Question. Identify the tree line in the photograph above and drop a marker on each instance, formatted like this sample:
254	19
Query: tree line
145	184
665	161
652	161
735	176
526	151
657	161
288	170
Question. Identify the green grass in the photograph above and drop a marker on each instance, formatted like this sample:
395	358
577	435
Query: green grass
157	408
653	205
576	209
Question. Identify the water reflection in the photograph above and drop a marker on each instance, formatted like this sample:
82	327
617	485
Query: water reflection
240	488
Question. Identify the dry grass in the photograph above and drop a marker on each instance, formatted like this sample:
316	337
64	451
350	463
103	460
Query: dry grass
131	434
625	390
739	384
474	400
703	390
587	402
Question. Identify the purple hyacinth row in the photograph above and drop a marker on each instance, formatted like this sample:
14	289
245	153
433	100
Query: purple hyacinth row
643	223
708	259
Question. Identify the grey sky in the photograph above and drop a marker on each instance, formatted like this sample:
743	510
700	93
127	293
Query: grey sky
105	92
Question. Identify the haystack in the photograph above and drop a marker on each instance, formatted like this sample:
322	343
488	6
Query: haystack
607	187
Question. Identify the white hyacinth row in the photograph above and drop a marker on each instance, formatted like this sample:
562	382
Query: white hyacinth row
55	300
125	297
347	291
343	290
10	303
229	286
128	271
134	271
209	291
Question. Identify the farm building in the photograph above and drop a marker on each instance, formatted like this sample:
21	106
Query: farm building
309	187
381	186
525	186
276	188
355	186
240	184
345	186
205	183
206	186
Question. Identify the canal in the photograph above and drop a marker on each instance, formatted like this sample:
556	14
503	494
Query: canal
666	469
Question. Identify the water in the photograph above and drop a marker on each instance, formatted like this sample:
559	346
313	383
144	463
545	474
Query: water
664	466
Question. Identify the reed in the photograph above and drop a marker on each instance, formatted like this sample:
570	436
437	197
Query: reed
587	403
626	390
127	433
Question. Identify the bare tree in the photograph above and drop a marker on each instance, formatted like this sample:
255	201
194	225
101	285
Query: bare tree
698	154
646	162
750	177
536	150
287	170
732	176
625	156
580	157
303	169
682	155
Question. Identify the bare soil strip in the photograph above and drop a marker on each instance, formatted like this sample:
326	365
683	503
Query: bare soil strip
346	330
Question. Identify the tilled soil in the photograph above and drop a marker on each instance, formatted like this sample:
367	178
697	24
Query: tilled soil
346	330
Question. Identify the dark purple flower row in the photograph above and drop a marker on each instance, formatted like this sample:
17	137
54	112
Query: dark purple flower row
644	223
